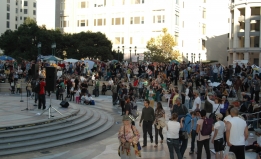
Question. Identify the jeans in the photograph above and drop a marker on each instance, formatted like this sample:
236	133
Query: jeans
187	103
28	93
41	101
200	145
190	103
173	144
158	132
147	128
183	146
193	137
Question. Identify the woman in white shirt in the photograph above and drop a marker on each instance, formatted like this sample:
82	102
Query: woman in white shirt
216	105
187	97
173	128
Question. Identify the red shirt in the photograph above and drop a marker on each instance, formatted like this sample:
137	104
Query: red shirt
42	85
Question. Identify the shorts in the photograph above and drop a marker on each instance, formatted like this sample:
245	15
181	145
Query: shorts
218	145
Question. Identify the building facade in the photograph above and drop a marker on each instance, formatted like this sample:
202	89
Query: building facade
245	35
129	24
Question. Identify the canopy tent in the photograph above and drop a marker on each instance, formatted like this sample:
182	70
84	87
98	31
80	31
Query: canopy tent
90	63
4	57
208	61
52	58
114	61
71	60
174	61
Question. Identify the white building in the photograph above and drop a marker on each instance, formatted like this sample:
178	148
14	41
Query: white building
14	12
245	38
131	23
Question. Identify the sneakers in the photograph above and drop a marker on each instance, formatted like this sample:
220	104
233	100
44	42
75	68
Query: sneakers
191	152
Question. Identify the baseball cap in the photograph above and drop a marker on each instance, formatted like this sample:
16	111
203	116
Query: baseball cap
219	115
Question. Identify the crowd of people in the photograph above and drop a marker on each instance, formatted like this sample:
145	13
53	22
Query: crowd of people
183	86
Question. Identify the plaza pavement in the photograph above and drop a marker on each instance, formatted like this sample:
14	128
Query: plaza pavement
105	145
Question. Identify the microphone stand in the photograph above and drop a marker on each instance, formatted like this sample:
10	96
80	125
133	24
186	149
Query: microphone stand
21	92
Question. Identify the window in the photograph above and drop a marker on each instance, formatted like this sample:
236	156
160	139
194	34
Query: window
99	22
117	40
25	18
117	21
183	4
25	11
163	19
16	10
159	18
34	12
143	1
25	3
94	22
8	7
83	4
104	22
135	1
64	24
204	13
182	24
131	20
122	19
8	16
182	43
177	18
16	18
21	18
203	44
16	2
130	40
136	20
176	38
112	21
82	23
21	10
204	29
104	3
204	1
8	1
15	26
142	20
34	5
177	1
122	40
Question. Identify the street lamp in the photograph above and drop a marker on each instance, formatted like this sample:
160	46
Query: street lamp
138	57
53	48
187	56
39	45
118	52
123	53
130	54
191	57
194	58
199	57
135	50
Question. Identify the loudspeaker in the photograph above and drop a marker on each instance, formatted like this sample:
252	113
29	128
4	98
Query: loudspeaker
51	77
64	104
35	71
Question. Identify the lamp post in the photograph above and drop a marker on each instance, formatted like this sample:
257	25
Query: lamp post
130	54
138	58
39	45
123	53
135	49
118	52
53	48
199	57
194	58
187	56
191	57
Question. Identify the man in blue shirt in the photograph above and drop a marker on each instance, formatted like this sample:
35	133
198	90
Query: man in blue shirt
186	128
195	117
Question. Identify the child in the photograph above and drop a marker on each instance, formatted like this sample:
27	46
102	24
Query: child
18	88
77	96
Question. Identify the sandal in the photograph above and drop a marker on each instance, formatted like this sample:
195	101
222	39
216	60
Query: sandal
155	145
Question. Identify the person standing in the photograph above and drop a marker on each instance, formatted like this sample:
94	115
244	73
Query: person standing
147	117
197	102
178	108
236	134
203	140
209	104
256	88
159	118
237	85
217	140
41	97
114	93
195	117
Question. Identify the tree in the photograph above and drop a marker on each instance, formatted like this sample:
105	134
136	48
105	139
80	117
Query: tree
161	47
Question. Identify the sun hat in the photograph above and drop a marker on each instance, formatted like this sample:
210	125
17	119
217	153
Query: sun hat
125	117
219	115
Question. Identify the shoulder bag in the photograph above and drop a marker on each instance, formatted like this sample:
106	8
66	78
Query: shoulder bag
184	134
213	115
126	145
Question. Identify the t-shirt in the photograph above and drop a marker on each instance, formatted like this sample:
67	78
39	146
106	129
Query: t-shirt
227	118
201	137
237	137
220	126
173	129
196	101
217	107
42	85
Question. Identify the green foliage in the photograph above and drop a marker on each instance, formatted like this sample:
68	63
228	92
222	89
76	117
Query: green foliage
161	47
22	43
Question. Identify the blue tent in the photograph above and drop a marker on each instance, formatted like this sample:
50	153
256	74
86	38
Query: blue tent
4	57
52	58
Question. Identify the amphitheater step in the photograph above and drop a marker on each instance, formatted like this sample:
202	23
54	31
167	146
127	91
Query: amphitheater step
80	128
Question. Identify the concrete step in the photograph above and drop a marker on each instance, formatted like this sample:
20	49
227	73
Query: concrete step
99	122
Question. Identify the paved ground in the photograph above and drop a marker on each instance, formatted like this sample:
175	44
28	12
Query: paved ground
105	145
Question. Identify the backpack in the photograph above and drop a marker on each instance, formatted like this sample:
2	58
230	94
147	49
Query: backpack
37	88
207	127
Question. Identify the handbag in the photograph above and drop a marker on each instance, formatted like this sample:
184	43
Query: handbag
126	145
184	134
213	115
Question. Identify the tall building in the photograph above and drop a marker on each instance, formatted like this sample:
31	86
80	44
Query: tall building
129	24
244	38
14	12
